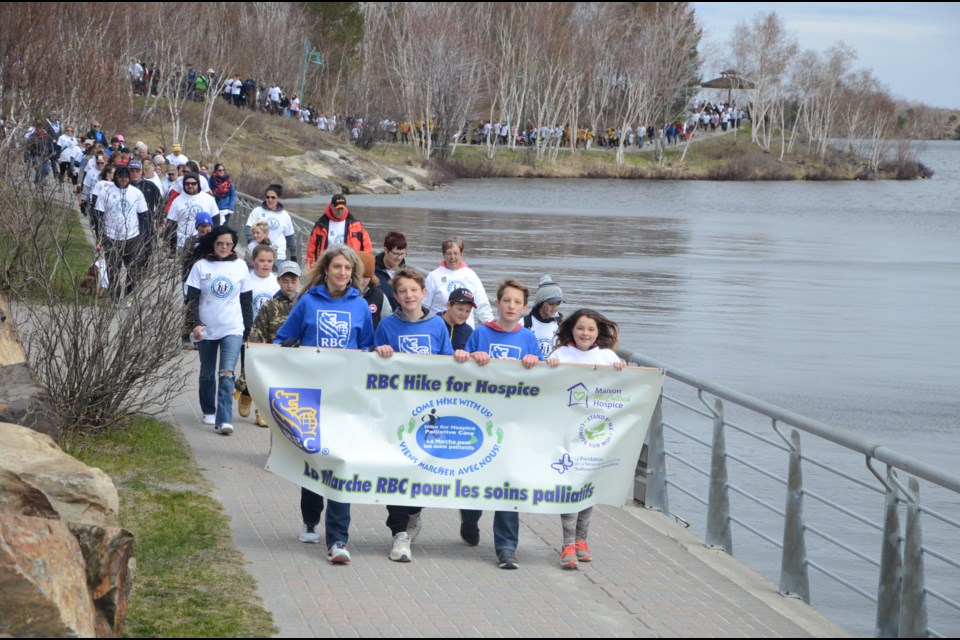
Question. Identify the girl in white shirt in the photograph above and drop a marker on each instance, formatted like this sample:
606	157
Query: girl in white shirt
586	337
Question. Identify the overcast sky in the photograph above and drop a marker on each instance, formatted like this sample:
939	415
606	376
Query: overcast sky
912	48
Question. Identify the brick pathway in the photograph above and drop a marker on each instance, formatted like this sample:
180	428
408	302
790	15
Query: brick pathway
649	577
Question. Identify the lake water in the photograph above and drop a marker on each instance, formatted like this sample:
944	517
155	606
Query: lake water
840	301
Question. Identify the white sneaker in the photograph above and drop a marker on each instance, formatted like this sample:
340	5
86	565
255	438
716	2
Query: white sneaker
338	553
225	429
209	418
309	534
401	548
414	526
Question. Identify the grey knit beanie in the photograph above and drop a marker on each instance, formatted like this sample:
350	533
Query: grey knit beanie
547	291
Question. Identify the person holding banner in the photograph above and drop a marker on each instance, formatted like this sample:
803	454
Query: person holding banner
502	339
586	337
413	329
330	313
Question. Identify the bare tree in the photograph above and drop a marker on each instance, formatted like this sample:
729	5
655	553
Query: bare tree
102	360
763	52
61	56
272	40
436	89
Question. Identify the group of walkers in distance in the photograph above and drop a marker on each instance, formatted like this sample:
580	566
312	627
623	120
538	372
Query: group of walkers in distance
143	203
393	308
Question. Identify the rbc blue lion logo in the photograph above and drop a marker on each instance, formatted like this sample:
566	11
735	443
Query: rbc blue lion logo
297	413
415	344
504	352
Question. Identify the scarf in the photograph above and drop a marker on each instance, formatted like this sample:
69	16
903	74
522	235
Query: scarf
220	186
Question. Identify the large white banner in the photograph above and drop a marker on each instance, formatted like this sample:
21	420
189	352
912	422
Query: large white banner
427	431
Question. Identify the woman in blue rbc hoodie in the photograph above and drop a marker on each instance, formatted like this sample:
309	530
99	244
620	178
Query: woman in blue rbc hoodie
414	328
330	313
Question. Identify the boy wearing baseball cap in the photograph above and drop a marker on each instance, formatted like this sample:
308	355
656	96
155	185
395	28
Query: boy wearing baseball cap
459	306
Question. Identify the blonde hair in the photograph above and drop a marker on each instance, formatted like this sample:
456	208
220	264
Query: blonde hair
318	272
263	225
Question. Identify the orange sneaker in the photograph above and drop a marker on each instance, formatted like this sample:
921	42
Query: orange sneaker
583	551
568	557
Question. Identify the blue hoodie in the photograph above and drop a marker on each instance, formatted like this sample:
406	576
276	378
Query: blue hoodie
320	320
504	345
427	335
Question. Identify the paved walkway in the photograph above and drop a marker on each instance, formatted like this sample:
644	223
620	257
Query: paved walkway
649	576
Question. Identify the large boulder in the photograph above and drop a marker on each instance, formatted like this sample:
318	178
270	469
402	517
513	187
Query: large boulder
80	494
43	493
22	399
109	555
43	580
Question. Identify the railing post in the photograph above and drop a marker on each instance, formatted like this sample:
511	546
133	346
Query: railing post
913	605
794	580
718	508
890	584
656	484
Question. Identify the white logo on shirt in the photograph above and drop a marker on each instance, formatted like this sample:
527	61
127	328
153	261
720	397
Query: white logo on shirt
504	352
333	328
415	344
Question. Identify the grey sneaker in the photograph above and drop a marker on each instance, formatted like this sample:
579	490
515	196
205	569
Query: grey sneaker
401	548
508	559
414	524
338	553
309	534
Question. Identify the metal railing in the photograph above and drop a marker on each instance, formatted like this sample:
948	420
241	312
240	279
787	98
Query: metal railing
246	203
902	592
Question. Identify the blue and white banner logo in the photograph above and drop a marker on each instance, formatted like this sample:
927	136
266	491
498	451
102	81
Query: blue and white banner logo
333	329
297	413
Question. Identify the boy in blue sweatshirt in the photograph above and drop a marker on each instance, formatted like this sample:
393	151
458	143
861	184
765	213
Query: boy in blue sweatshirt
413	328
501	339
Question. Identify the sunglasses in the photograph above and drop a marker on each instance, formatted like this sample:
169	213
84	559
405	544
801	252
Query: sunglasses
191	184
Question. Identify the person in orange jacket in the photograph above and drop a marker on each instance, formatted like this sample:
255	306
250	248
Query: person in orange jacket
337	226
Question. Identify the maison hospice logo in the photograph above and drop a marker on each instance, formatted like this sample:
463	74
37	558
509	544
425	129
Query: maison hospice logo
297	413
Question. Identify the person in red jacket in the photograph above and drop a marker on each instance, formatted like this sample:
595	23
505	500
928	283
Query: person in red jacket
337	226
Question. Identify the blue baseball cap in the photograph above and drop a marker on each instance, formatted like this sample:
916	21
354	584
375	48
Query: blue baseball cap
203	218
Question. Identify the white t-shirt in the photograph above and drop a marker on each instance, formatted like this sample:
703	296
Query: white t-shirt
441	282
184	212
274	93
263	290
66	142
220	284
120	208
336	232
568	354
281	225
546	333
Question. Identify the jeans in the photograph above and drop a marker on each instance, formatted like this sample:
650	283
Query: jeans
338	516
123	253
219	400
506	527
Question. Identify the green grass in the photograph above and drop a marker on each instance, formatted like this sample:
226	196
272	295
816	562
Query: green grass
190	580
59	245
